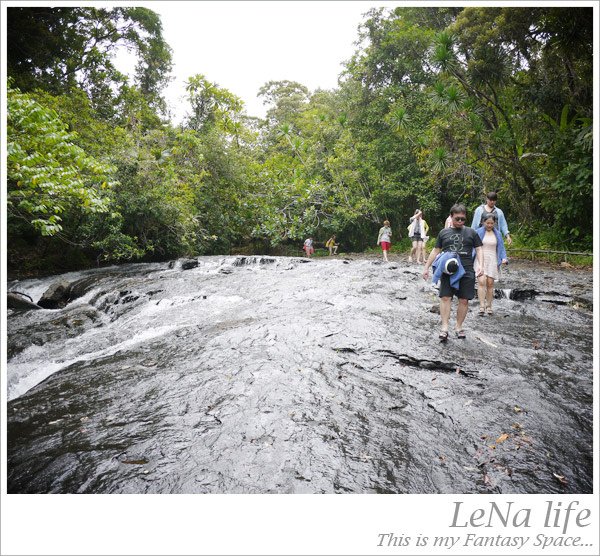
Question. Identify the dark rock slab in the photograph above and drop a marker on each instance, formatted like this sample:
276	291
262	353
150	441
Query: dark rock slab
17	302
56	296
187	264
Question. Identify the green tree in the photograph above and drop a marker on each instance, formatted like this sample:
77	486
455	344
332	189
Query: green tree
48	174
211	105
285	100
59	49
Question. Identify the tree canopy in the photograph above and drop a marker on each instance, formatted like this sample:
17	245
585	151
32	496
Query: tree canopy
437	105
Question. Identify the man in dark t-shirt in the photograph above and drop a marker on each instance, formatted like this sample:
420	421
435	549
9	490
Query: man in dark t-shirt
462	240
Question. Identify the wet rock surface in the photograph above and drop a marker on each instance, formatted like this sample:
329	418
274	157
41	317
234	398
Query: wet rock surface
56	296
283	375
20	302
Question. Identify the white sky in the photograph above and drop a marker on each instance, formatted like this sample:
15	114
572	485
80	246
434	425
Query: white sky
242	45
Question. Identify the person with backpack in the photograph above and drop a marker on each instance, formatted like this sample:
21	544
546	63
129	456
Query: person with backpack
490	208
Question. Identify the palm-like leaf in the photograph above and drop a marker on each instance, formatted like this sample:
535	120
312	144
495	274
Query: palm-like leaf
438	95
399	118
443	53
445	39
284	130
439	160
454	98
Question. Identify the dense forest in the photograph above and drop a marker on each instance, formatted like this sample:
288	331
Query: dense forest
436	106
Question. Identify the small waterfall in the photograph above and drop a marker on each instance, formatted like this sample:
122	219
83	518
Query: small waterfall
243	261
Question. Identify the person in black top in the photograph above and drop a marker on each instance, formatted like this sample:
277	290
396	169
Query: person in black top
462	240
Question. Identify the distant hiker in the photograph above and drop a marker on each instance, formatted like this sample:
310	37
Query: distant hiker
417	231
490	207
452	260
308	247
332	245
385	239
494	254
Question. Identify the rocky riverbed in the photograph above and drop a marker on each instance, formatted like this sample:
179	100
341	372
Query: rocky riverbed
283	375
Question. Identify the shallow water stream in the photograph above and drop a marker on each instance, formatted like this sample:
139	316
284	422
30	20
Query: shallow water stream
282	375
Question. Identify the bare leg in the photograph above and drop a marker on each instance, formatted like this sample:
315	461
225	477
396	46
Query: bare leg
385	255
412	251
445	306
490	292
481	292
419	255
461	312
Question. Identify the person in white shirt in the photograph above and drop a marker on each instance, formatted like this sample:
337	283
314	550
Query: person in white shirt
385	239
308	247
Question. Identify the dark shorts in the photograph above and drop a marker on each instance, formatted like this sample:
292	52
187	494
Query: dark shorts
416	238
466	289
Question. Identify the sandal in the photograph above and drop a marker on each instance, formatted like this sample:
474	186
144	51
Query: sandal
489	311
443	336
461	334
481	311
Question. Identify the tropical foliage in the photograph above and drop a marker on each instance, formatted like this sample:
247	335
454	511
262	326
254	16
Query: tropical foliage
436	106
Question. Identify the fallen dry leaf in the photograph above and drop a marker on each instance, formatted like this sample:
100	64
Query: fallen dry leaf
502	438
536	345
517	426
560	478
517	409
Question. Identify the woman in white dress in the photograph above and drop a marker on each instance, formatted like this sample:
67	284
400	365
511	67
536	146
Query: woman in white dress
494	254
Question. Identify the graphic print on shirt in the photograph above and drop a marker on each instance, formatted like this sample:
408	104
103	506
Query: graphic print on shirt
457	243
